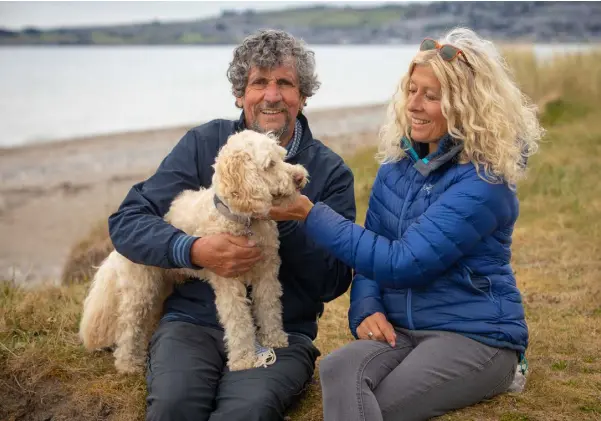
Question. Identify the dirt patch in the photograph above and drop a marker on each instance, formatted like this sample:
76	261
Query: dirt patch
47	401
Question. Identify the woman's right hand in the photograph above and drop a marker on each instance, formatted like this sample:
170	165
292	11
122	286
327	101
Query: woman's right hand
379	327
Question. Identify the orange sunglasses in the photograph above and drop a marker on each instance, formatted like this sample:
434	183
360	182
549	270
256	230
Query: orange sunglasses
447	52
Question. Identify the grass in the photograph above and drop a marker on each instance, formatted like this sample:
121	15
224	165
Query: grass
44	369
557	243
335	17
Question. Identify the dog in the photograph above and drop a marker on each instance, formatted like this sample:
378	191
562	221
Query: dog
125	299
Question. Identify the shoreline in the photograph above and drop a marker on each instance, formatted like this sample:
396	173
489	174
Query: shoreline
318	112
53	193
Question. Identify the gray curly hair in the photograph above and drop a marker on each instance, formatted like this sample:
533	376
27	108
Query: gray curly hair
269	48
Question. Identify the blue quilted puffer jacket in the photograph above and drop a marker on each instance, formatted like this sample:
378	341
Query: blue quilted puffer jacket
435	253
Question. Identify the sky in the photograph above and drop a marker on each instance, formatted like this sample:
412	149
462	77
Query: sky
52	14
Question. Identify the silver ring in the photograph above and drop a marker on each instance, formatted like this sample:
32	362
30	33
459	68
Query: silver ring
370	334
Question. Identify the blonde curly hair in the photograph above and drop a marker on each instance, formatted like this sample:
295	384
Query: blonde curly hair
483	107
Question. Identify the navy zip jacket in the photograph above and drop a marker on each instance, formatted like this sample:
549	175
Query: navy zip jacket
309	275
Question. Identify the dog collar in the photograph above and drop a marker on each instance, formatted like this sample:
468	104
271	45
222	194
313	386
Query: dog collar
225	211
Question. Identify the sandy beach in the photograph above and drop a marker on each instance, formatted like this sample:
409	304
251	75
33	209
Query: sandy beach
52	194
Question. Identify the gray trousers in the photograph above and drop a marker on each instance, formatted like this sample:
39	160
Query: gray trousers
187	378
426	374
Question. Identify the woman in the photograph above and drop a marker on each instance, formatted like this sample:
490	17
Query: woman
434	300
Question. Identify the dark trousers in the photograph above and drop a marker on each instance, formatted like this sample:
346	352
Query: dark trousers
187	377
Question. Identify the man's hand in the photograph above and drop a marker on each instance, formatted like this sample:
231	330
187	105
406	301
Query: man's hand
379	327
295	211
225	254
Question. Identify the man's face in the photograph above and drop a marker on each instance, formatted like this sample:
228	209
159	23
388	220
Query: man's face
272	101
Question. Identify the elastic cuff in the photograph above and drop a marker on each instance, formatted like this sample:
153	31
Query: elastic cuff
286	228
179	254
312	223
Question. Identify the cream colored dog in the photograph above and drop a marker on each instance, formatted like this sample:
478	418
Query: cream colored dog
125	299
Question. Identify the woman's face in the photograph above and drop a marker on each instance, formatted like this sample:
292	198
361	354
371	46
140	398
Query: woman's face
428	124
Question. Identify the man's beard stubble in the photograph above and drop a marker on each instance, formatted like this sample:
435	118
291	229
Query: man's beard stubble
279	133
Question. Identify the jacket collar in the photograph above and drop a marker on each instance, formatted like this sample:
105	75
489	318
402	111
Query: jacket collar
448	148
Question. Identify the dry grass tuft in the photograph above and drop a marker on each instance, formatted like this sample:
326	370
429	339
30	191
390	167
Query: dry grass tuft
45	370
87	255
573	79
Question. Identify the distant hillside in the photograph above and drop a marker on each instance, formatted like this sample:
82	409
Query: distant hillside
390	24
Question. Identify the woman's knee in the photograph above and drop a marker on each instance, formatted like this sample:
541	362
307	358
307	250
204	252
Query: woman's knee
336	363
344	362
329	368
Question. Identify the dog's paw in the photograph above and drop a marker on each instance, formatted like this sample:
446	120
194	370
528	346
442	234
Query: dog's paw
277	339
244	363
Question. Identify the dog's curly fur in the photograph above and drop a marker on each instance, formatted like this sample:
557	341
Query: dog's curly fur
125	299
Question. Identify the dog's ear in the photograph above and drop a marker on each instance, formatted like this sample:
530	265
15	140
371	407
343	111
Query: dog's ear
237	183
266	149
264	158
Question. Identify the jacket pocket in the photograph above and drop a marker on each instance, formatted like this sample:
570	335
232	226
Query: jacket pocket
480	284
483	285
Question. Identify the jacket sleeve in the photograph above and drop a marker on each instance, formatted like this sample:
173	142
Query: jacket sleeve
138	230
301	252
468	211
366	298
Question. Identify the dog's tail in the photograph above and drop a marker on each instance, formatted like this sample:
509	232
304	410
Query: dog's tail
98	324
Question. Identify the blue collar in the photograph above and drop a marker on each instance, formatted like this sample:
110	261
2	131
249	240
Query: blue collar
447	149
295	141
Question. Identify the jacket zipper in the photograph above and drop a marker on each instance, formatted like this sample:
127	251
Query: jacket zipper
403	211
409	316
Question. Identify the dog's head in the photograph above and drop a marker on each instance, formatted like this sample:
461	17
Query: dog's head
251	175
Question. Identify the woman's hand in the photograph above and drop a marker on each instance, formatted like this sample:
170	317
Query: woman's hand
296	211
378	328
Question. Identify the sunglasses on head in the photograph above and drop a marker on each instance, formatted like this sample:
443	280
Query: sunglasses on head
447	52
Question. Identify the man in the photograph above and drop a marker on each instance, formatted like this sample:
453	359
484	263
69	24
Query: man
272	74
